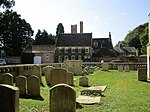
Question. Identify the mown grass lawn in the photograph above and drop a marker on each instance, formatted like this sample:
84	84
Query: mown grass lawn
124	93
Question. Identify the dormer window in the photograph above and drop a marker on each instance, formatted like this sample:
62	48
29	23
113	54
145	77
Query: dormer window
95	44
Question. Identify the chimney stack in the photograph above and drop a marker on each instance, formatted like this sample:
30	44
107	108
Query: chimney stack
81	26
74	28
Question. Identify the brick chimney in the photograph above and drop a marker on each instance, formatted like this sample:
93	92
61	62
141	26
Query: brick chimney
81	26
74	28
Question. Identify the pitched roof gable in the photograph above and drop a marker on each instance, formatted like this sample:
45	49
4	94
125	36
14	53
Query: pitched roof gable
102	43
74	39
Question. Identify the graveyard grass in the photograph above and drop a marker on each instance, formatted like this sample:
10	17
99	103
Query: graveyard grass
124	93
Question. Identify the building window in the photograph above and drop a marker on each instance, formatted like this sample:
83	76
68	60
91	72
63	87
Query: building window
59	59
79	57
59	50
66	50
47	58
73	57
79	50
66	57
87	50
73	50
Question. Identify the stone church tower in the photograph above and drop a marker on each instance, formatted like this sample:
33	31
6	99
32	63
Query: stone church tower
148	50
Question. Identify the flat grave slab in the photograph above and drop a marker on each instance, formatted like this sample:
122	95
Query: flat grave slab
93	90
88	100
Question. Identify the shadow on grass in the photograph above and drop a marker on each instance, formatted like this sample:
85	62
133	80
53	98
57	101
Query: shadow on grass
32	97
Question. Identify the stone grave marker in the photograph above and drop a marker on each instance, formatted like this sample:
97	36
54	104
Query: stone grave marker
8	78
9	98
120	68
21	83
126	68
33	86
83	81
58	76
105	66
46	71
36	70
70	78
62	98
142	74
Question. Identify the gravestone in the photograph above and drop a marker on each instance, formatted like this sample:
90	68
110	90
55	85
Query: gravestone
46	71
58	76
9	98
21	83
33	86
8	78
105	66
83	81
142	74
126	68
91	70
120	68
36	70
70	78
62	98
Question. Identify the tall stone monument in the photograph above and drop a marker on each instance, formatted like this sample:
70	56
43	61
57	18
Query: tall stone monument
148	50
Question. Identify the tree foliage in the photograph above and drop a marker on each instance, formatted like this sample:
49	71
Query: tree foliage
43	38
15	33
138	38
7	3
59	29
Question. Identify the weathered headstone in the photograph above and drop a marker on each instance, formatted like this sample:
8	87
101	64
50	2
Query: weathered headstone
21	83
46	71
62	98
70	78
8	78
9	98
58	76
105	66
83	81
91	70
33	86
126	68
36	70
120	68
142	74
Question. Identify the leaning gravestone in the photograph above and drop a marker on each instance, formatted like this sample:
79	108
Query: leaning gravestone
62	98
33	86
105	66
58	76
8	78
46	71
83	81
120	68
70	78
142	74
127	68
9	98
21	83
36	70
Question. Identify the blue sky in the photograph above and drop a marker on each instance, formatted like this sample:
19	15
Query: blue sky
98	16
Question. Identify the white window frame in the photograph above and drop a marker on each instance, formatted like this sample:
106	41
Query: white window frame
60	58
87	50
79	50
73	50
79	57
73	57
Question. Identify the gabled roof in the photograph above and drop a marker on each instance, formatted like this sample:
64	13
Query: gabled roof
105	52
119	50
102	43
129	49
74	39
39	48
